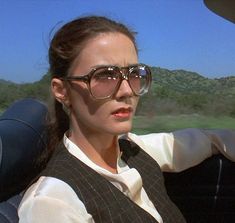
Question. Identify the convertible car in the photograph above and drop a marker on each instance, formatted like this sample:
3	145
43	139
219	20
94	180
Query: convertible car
203	193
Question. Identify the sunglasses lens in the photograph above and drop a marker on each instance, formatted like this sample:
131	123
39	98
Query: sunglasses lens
140	79
104	81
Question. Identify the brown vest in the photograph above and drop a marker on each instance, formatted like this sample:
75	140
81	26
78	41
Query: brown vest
102	199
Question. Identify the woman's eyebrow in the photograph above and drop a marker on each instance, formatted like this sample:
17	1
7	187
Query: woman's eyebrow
113	65
103	65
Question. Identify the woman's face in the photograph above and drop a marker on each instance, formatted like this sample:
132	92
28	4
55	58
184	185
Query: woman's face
107	116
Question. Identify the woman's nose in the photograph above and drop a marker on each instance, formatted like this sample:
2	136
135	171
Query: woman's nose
124	90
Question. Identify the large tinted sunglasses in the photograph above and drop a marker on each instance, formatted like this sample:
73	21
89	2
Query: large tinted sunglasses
103	82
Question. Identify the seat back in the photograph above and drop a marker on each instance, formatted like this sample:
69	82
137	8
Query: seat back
22	141
206	192
8	209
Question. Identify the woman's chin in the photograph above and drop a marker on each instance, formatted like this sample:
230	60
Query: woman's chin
119	130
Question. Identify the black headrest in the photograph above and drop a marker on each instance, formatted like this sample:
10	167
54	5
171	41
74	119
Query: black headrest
22	140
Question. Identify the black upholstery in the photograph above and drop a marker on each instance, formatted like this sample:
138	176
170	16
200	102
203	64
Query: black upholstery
8	209
205	193
22	140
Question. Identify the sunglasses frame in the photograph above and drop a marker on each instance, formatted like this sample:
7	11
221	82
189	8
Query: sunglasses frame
123	76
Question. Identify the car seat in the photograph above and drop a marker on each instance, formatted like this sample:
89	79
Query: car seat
205	193
22	141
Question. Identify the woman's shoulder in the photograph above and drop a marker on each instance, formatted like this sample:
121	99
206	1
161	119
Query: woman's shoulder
49	188
151	141
53	200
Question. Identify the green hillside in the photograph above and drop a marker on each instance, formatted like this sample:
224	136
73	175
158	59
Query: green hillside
172	92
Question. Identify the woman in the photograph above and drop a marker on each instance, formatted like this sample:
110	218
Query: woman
95	174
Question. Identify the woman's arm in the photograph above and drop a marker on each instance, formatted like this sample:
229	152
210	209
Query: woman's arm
182	149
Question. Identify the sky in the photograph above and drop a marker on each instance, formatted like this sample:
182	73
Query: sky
172	34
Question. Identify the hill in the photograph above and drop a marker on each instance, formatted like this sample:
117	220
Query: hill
180	91
191	82
10	92
173	91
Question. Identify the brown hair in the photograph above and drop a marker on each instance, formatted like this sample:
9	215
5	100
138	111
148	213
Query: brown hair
65	47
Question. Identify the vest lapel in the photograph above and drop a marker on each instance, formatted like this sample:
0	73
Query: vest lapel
153	180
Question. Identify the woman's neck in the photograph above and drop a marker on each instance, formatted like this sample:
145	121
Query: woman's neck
102	149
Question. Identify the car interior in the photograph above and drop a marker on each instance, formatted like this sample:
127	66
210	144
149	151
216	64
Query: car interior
203	193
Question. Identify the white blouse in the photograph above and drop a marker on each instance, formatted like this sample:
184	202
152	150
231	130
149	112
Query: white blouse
52	200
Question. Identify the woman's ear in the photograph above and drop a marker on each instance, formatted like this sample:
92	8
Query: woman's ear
59	90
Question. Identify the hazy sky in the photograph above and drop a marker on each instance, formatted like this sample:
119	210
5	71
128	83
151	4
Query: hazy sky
172	34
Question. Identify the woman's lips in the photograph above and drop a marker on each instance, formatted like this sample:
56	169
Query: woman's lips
123	113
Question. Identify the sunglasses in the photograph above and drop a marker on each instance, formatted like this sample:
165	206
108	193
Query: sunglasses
103	82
